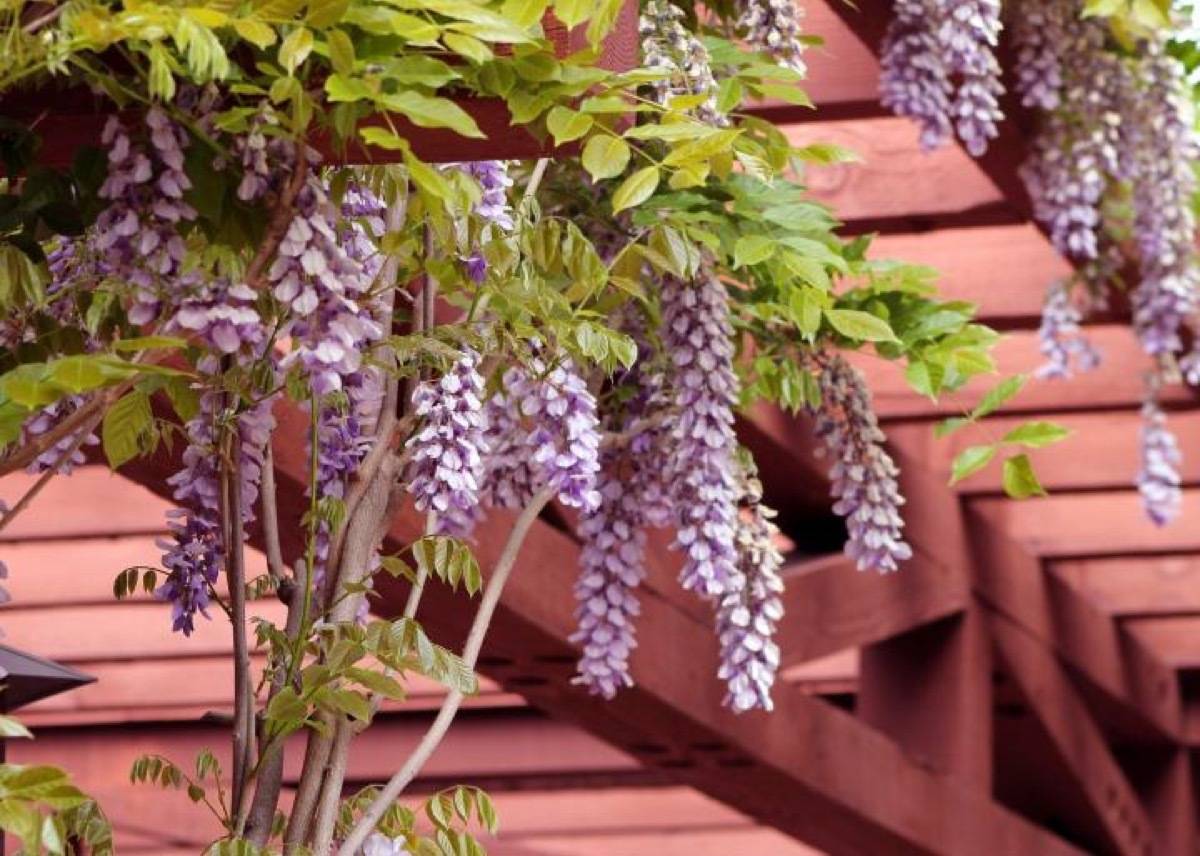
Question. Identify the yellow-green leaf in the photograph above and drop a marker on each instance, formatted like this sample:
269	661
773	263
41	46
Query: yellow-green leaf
605	157
636	189
1019	479
567	125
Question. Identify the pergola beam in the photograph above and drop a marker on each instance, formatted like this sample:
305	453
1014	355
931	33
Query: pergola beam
809	769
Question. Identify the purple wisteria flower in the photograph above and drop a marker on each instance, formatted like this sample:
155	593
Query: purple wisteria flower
136	237
1158	480
541	429
1061	339
969	33
194	555
773	27
697	336
1040	30
862	472
610	570
494	182
564	443
509	479
671	49
45	420
223	315
746	618
446	465
914	80
1164	183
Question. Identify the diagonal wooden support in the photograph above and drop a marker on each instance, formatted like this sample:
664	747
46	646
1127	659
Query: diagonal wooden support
1078	739
809	769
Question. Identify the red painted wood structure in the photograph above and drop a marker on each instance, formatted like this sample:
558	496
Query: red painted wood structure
1028	684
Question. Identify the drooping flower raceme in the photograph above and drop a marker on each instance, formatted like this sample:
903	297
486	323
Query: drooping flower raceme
610	570
698	339
493	207
446	464
969	32
746	619
1041	28
862	472
672	49
773	27
914	80
1158	480
1164	182
1061	338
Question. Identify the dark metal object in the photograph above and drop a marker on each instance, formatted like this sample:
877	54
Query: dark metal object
27	679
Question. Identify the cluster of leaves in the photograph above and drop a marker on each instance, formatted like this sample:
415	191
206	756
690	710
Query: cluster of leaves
449	813
41	808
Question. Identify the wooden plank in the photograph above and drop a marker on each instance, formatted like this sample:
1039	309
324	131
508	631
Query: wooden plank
1166	782
1004	270
829	605
1011	579
930	689
1138	586
1107	441
893	178
1104	523
1117	383
1066	718
809	769
1174	639
75	501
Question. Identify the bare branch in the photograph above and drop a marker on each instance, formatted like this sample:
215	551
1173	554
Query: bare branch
51	472
437	731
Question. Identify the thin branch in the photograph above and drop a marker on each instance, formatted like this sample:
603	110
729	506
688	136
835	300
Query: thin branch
316	754
437	731
50	472
29	453
49	18
331	792
270	517
235	571
281	219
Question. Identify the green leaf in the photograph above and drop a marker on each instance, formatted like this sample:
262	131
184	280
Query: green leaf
255	32
127	426
636	189
605	157
998	395
428	111
1035	435
295	49
323	14
147	343
753	249
573	12
468	46
863	326
567	125
524	13
1019	479
341	51
971	460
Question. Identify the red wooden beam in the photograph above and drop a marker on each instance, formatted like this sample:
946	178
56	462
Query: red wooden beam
1136	586
809	769
1048	691
930	689
830	605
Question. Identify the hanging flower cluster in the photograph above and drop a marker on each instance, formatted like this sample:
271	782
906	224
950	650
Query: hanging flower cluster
446	464
672	49
862	472
1061	338
773	27
938	67
1158	480
746	618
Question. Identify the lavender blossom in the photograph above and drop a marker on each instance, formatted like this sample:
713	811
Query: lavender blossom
1040	30
378	844
698	337
611	569
773	27
564	444
746	618
494	182
447	452
1164	183
45	420
969	33
1158	480
137	236
509	480
914	80
668	47
862	473
1061	339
